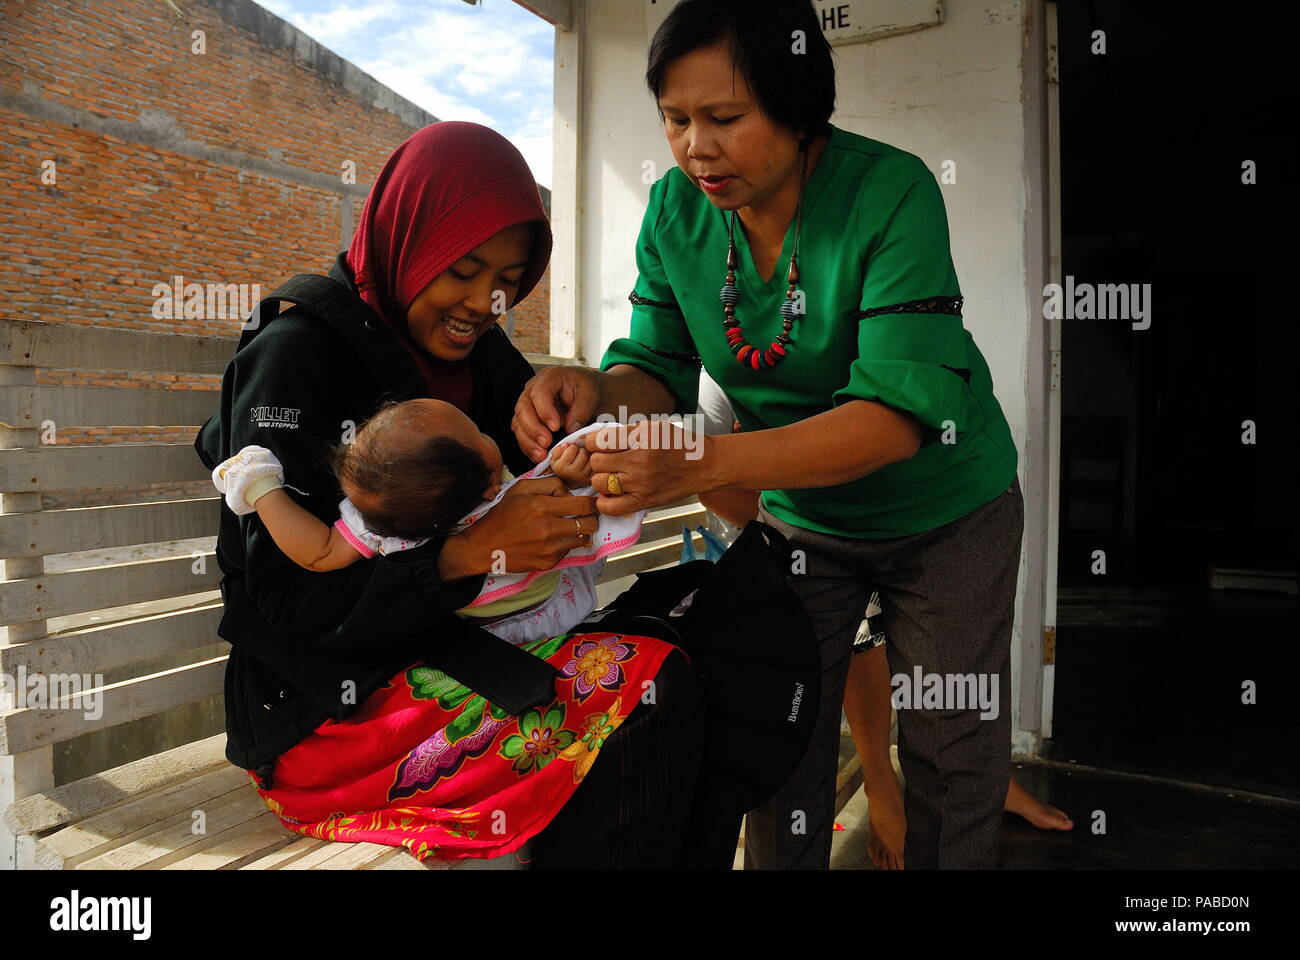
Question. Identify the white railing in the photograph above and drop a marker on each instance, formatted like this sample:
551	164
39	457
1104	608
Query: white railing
114	612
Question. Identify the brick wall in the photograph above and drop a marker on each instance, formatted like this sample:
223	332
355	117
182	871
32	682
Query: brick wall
529	323
221	167
224	166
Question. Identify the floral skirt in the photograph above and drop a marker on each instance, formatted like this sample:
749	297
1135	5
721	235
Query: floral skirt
427	764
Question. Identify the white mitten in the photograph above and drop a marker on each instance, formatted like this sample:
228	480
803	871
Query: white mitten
251	473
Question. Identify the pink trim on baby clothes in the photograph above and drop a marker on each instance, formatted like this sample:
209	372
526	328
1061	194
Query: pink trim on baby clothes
568	561
355	542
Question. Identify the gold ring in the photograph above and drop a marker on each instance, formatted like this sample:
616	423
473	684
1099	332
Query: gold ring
613	486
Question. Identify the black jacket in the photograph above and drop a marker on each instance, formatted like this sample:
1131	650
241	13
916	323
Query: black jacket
310	646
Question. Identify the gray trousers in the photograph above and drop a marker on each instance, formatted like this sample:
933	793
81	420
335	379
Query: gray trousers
949	600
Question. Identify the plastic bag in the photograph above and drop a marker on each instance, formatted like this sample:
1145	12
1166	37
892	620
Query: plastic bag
713	547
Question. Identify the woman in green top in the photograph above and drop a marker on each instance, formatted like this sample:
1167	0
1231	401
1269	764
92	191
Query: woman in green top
867	411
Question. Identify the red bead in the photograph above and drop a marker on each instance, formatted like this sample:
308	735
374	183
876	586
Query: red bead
735	334
778	349
744	354
756	360
767	355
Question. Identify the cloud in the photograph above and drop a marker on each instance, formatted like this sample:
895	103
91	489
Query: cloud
332	24
490	64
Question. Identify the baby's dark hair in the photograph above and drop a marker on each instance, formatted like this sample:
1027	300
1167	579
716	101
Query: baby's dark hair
415	484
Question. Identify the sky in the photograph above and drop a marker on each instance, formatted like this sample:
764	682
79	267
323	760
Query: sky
491	63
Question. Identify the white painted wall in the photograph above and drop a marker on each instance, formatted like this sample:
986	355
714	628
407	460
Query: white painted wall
950	92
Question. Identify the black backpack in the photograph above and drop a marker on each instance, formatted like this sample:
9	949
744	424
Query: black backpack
756	653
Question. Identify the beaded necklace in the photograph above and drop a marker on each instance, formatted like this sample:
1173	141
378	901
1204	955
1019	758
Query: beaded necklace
744	352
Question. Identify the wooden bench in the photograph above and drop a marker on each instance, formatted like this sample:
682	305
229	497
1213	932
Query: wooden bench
134	593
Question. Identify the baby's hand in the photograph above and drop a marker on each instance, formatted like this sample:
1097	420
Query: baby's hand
248	475
572	464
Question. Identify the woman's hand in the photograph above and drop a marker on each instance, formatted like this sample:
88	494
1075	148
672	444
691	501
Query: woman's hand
656	463
536	523
558	396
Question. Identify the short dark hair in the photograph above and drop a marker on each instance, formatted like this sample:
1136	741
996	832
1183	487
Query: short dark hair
420	489
794	89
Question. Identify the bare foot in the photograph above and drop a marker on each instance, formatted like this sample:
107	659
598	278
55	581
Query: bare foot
886	822
1021	802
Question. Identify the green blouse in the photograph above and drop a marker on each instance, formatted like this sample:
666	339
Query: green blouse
883	323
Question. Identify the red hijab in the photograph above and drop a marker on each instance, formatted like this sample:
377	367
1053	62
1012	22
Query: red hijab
447	189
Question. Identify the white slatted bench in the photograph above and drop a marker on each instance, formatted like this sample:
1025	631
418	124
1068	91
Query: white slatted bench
137	589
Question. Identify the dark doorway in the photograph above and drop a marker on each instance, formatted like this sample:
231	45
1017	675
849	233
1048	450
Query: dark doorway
1197	530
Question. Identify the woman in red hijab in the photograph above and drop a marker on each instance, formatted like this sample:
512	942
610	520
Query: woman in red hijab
362	708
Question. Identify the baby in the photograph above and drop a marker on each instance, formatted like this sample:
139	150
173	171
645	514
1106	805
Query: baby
420	469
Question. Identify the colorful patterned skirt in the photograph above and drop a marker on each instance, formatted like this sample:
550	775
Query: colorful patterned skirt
427	764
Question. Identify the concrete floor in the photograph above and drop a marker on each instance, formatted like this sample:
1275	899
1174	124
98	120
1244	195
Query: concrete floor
1150	824
1154	683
